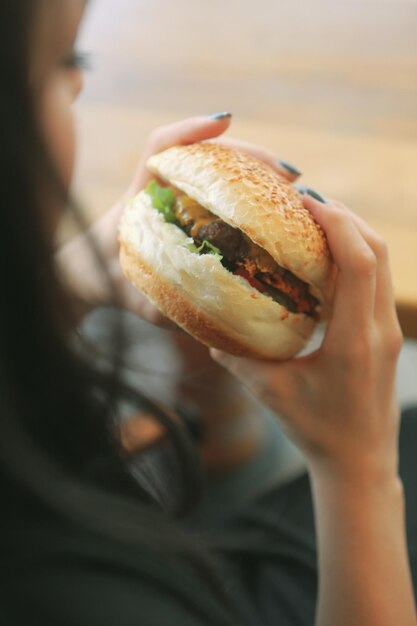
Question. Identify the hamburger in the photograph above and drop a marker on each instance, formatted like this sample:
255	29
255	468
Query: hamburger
223	246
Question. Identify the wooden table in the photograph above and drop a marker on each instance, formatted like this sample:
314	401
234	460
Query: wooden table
330	85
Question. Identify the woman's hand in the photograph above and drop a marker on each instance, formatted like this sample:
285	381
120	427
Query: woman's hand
339	403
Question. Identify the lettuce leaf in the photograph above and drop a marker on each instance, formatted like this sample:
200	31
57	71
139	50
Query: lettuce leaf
210	249
205	248
163	199
191	245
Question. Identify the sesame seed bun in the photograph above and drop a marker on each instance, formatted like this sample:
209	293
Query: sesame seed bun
218	308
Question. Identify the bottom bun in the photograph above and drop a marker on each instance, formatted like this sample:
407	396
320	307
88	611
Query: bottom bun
195	291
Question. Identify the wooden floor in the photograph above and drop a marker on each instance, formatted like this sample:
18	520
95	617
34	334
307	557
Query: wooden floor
330	85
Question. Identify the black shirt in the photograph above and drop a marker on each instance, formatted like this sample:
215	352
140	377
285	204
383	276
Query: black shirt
61	574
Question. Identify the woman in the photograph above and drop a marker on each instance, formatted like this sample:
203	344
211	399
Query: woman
82	542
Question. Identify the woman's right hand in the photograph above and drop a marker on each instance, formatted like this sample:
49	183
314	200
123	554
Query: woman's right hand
339	403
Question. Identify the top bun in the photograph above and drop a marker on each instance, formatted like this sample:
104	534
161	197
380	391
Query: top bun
248	194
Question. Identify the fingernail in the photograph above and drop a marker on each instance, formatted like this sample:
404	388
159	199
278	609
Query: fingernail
291	169
306	190
220	116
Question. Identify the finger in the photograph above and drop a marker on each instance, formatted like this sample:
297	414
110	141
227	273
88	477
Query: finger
285	169
181	133
384	297
354	300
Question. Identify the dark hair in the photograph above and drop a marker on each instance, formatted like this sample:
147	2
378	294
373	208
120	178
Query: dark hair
58	450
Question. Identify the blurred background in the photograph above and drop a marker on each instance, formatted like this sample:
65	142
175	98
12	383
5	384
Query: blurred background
329	85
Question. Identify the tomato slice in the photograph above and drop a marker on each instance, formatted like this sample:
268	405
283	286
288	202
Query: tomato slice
240	271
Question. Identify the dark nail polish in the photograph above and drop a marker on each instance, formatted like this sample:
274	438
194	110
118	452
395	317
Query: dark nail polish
303	190
220	116
316	195
290	168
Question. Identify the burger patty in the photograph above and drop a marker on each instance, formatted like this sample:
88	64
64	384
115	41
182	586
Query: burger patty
241	253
